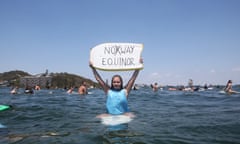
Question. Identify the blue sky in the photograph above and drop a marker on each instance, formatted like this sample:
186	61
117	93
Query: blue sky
183	39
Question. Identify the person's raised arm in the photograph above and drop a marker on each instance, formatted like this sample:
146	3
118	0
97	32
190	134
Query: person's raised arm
132	79
99	79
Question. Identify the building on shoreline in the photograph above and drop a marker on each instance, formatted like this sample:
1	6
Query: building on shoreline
42	80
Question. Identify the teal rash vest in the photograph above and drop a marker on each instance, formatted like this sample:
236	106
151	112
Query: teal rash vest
117	102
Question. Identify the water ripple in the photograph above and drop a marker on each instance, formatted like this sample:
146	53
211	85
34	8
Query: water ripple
166	117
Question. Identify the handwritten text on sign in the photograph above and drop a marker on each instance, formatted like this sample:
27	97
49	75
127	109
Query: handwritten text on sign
117	56
119	52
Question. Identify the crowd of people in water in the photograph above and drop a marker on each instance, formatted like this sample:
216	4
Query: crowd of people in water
83	88
27	90
191	87
117	94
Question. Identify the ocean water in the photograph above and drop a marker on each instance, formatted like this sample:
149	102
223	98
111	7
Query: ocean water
162	117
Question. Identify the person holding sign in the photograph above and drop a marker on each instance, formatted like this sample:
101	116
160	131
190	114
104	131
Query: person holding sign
117	95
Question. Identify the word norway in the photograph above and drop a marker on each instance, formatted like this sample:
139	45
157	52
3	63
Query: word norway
118	52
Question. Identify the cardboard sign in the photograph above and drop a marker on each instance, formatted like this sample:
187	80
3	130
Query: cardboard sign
117	56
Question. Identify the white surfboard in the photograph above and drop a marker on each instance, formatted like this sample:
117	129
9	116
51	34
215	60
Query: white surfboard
2	126
222	92
115	119
232	92
117	56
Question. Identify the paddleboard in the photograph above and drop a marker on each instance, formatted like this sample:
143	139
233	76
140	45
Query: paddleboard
222	92
117	56
232	92
2	126
115	119
4	107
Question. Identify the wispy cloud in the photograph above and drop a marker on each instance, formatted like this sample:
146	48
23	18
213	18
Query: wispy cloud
212	71
236	69
155	74
153	77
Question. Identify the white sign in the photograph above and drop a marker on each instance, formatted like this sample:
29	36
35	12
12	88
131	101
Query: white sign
117	56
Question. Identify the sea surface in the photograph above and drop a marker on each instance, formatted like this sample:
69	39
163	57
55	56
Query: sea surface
162	117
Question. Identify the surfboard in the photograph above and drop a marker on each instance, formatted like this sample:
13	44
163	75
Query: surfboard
4	107
2	126
115	119
232	92
117	56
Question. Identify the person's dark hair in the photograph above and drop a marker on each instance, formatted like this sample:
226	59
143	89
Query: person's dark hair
120	80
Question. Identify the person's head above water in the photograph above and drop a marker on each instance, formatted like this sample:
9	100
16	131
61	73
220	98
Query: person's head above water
117	83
